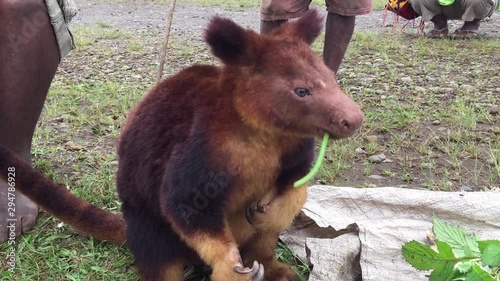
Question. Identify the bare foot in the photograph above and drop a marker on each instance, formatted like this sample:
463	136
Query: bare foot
468	30
17	213
440	29
471	25
440	22
437	33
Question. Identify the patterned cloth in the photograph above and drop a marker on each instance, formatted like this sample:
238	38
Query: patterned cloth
402	8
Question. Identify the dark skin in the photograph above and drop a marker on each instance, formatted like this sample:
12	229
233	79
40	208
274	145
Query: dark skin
29	57
471	25
440	22
338	33
441	25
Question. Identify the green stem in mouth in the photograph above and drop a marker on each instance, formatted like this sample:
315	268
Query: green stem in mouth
318	163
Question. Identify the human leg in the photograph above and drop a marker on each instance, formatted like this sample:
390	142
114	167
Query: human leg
340	27
338	33
440	28
472	12
476	10
430	10
30	56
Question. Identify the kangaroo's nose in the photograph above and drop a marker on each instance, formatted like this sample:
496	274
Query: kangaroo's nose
346	116
350	122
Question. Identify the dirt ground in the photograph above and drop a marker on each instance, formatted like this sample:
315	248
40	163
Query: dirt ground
191	20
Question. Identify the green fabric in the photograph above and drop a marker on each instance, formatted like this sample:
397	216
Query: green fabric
446	2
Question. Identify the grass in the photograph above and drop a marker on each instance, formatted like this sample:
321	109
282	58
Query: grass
446	122
440	137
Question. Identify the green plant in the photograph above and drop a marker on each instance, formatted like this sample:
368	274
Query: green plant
457	255
387	173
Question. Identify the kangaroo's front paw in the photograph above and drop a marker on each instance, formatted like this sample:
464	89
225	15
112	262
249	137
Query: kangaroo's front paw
255	211
239	273
257	271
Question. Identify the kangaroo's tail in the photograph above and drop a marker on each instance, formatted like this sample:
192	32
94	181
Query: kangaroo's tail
59	202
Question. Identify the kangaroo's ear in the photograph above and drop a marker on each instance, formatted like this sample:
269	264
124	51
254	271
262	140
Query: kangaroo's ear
230	42
307	27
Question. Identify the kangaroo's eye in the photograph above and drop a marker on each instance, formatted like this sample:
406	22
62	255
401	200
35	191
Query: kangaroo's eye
302	92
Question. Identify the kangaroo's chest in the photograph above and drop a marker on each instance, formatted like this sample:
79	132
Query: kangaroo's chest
254	166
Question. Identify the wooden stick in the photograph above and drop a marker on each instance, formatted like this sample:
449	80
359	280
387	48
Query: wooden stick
165	40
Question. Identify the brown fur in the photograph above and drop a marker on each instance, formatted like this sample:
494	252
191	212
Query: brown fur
280	210
173	271
205	144
58	201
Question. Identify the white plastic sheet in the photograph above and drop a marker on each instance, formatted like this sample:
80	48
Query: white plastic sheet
387	218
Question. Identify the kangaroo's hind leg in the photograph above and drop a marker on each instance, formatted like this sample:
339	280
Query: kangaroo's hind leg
159	253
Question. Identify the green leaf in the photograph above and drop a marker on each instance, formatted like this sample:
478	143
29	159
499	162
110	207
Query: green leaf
456	275
423	257
478	274
462	244
465	267
442	271
445	251
491	255
484	243
468	251
419	255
